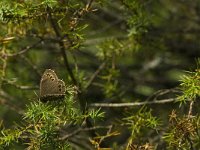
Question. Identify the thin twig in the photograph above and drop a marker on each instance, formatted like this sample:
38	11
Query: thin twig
89	4
190	109
95	74
24	50
132	104
83	130
108	132
22	87
161	93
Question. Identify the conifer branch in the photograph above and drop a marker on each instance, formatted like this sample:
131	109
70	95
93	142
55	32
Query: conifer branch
62	46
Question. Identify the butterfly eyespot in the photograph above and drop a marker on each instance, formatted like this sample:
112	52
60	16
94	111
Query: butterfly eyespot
59	86
52	79
60	89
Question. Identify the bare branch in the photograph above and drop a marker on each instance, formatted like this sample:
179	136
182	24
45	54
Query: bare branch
132	104
83	130
22	87
95	74
162	92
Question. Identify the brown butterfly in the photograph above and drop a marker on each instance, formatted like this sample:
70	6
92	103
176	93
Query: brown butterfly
51	88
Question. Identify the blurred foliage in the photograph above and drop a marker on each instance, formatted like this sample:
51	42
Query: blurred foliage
110	52
190	86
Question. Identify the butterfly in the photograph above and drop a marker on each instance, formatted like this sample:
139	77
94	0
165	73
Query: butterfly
51	88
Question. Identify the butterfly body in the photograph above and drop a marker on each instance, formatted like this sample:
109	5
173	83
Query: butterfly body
51	88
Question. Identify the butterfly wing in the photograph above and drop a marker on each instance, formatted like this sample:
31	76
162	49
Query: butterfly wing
47	82
60	87
58	92
51	86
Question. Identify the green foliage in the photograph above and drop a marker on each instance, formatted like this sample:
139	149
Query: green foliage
142	119
190	86
40	112
110	49
140	19
42	124
110	88
96	114
8	136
